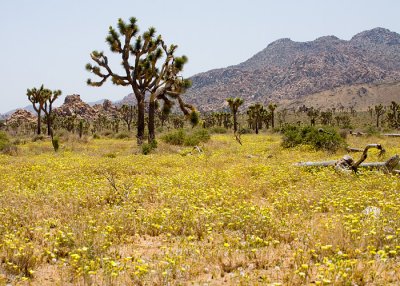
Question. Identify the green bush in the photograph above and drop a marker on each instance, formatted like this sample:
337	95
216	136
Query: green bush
318	138
176	137
202	134
148	147
38	138
19	141
246	131
122	135
56	143
4	141
107	133
372	131
6	147
218	130
181	137
110	155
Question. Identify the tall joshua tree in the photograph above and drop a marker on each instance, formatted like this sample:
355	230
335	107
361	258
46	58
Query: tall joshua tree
379	111
127	112
50	97
255	113
150	68
42	100
234	104
272	107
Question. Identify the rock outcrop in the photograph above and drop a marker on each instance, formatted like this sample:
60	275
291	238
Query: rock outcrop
21	117
73	105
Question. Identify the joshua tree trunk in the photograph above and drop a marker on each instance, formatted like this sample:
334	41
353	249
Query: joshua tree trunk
152	110
39	127
49	123
140	126
235	122
256	125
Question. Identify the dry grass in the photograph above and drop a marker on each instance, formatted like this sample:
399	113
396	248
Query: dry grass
228	216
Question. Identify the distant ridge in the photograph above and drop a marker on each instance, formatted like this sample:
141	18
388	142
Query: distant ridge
287	70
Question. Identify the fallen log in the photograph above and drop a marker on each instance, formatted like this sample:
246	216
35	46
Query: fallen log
316	164
347	163
358	133
392	135
387	166
350	149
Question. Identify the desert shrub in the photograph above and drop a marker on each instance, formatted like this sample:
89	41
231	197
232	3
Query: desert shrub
202	134
372	131
160	129
176	137
191	141
246	131
19	141
318	138
194	118
343	133
62	133
148	147
110	155
107	133
122	135
4	141
181	137
196	137
56	143
38	138
6	147
10	149
218	130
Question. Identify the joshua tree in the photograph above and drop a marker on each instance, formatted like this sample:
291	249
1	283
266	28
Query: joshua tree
370	111
312	113
50	97
379	111
272	107
127	112
282	116
266	117
36	97
42	100
255	113
393	115
326	117
150	68
234	104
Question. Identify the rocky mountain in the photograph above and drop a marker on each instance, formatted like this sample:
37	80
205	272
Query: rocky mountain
130	99
287	71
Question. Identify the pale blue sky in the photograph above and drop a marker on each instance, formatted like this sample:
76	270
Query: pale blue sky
49	41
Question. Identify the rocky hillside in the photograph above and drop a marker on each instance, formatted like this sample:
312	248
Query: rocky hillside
288	71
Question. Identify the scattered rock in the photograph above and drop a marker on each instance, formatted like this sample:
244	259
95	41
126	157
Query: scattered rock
372	211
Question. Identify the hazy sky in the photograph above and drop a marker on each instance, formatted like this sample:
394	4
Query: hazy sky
49	41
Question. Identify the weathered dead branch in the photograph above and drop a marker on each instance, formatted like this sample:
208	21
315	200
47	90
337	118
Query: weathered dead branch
347	163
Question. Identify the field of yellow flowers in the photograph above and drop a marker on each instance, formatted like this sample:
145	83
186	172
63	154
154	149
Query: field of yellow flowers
100	213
